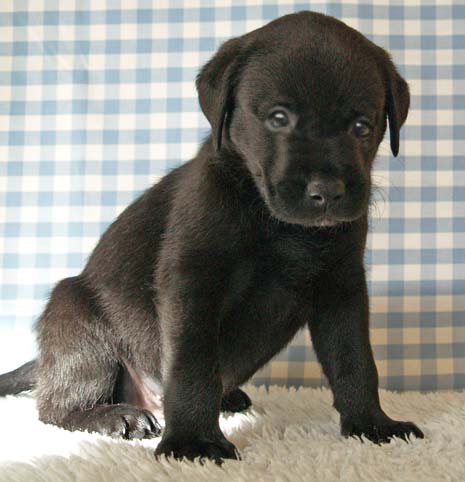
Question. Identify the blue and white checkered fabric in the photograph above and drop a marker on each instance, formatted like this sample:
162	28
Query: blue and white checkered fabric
97	101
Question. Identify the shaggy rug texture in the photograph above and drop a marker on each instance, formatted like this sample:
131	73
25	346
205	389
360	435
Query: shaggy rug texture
288	435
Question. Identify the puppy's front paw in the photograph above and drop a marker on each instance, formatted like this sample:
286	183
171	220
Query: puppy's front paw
379	430
235	401
215	450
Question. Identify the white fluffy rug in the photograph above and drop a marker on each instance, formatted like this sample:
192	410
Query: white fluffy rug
288	435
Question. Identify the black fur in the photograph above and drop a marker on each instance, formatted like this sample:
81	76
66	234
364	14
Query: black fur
212	271
19	380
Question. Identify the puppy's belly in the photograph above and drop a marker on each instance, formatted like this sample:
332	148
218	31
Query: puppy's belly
142	390
263	309
255	332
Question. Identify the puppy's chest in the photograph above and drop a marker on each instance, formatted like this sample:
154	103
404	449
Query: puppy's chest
284	263
292	262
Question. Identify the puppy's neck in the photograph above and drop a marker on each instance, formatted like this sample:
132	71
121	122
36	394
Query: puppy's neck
229	164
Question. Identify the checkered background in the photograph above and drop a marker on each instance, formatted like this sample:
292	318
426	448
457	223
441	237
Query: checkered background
97	101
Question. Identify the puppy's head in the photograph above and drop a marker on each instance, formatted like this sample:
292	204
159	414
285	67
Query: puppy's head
304	101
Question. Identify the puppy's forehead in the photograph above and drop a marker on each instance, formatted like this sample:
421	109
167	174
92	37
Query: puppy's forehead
312	78
313	61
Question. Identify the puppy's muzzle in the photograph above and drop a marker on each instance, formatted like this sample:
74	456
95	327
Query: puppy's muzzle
320	201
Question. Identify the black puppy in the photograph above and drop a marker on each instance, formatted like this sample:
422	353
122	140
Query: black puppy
214	269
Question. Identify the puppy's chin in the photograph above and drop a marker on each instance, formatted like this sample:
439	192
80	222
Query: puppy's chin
320	222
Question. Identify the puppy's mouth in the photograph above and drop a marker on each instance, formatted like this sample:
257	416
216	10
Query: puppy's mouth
326	221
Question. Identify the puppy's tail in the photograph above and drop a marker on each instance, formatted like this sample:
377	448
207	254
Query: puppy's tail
19	380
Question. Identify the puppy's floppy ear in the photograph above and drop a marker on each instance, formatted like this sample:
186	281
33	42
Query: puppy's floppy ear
215	85
397	102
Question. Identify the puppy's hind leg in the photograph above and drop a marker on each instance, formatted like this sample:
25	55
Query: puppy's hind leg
235	401
78	368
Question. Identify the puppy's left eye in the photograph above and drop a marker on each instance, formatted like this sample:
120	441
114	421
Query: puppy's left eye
362	128
277	119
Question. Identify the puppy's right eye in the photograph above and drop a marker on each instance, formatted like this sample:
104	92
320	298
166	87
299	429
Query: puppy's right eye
277	119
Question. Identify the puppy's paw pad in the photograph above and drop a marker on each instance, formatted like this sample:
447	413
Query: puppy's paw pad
235	401
215	450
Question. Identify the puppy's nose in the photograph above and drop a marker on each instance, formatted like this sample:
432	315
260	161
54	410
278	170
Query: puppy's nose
323	192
